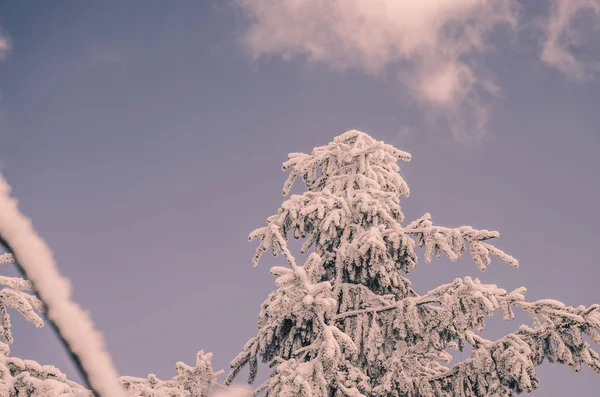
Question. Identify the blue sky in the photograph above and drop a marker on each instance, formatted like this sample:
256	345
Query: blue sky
145	141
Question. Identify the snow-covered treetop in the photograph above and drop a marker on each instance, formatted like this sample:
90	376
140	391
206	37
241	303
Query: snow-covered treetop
352	161
351	214
348	323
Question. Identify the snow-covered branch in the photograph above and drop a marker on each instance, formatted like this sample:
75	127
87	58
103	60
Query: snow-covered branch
73	324
508	364
28	378
197	381
17	294
438	239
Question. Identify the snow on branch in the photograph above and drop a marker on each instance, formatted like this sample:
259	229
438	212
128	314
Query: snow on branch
197	381
28	378
300	302
17	294
6	258
54	290
429	324
295	334
450	297
437	239
508	364
348	154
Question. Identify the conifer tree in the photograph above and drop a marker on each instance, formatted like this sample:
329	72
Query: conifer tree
348	323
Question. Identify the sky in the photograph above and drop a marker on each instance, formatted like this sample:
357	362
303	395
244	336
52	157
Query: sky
145	141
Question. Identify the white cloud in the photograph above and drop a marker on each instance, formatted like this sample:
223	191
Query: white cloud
5	46
567	45
428	44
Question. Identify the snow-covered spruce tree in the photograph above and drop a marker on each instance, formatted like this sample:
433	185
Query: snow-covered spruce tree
348	323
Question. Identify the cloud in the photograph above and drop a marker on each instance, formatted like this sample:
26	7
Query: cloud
5	46
430	45
570	39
